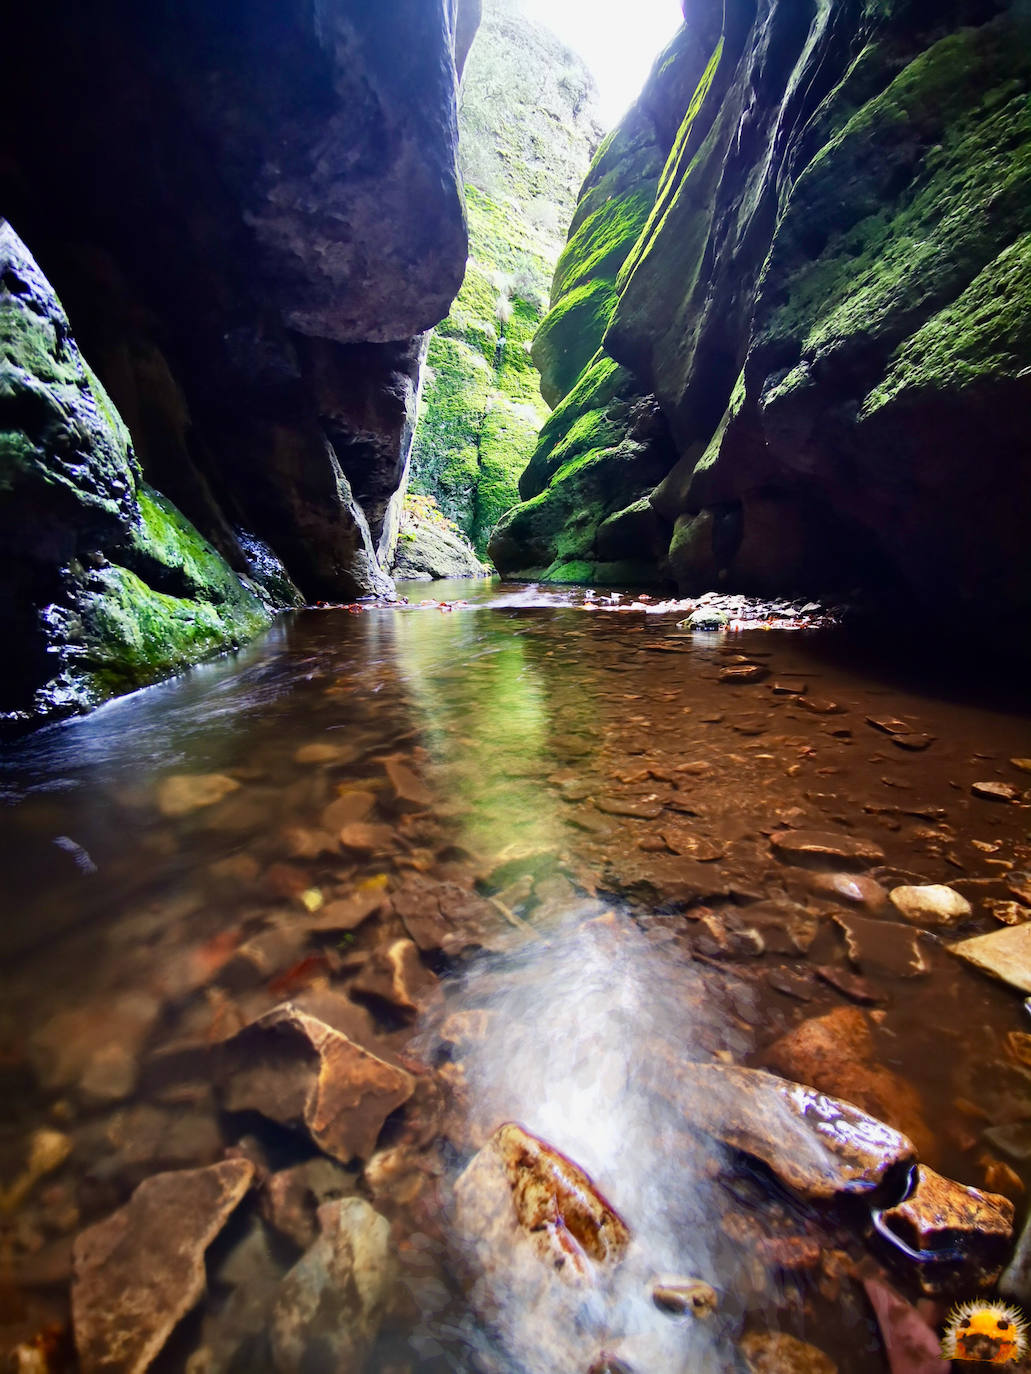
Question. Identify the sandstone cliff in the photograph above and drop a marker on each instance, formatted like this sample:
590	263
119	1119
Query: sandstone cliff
527	134
251	213
827	300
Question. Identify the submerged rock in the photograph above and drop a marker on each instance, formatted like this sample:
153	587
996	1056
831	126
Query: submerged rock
1005	954
182	793
778	1353
821	849
882	946
818	1146
300	1072
329	1306
835	1053
142	1269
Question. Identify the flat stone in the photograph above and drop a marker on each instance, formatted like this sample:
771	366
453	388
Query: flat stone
628	806
788	689
915	743
996	791
817	1146
329	1306
743	672
320	752
519	1197
721	937
347	913
182	793
395	976
931	905
1013	1139
664	881
820	706
835	1053
890	726
882	946
1024	765
444	917
686	843
1004	954
959	1236
776	1352
849	984
95	1048
819	849
300	1072
408	792
1019	885
138	1272
347	809
264	955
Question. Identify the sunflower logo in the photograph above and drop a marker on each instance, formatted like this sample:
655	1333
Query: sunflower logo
989	1332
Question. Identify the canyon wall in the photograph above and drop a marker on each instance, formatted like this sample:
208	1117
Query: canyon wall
789	344
528	131
246	216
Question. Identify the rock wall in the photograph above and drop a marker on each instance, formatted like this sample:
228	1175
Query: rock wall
527	134
829	302
252	213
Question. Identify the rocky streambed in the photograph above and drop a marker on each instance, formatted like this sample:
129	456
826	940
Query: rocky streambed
537	983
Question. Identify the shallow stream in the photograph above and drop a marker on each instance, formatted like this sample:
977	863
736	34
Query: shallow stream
602	800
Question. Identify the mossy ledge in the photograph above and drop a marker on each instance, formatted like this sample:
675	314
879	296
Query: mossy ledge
113	587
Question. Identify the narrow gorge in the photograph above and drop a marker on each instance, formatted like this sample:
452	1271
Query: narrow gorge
514	752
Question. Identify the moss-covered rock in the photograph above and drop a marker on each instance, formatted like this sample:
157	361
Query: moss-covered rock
829	300
527	133
107	585
431	546
597	454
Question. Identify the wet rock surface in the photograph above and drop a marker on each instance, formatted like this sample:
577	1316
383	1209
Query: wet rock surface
816	1144
503	949
955	1234
329	1306
137	1273
298	1071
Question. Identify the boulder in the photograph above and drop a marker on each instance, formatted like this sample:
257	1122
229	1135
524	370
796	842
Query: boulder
395	976
825	849
329	1306
290	1198
300	1072
137	1273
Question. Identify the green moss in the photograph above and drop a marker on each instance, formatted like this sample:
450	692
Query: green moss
134	635
603	240
984	334
481	407
887	261
571	335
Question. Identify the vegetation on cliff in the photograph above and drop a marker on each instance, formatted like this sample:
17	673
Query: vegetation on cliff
526	135
827	298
